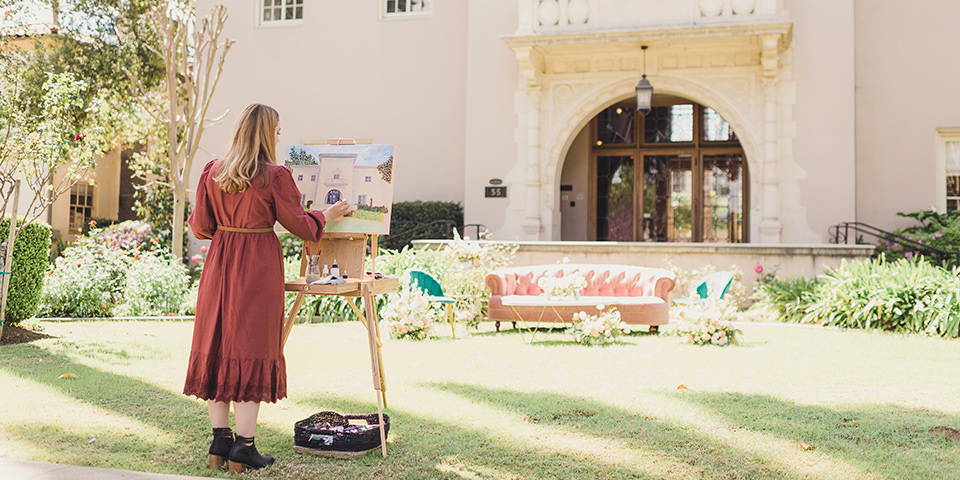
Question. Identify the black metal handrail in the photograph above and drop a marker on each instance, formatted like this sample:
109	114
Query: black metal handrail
840	233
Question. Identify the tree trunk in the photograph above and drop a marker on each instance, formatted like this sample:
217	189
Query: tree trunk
8	255
179	204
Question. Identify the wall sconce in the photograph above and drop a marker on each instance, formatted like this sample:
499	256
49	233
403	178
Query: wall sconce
644	89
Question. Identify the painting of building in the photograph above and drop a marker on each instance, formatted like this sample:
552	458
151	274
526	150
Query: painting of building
360	174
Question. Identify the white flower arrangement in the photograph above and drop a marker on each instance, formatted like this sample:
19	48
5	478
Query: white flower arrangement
598	329
706	323
565	286
408	314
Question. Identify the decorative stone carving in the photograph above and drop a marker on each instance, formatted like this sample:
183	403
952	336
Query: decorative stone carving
548	13
578	12
743	7
711	8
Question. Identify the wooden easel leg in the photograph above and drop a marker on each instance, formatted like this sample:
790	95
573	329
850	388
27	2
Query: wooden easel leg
291	317
453	330
375	362
383	376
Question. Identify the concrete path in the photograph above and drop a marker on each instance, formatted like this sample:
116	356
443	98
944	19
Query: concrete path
23	470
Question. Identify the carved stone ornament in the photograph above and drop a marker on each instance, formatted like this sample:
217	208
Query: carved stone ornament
548	13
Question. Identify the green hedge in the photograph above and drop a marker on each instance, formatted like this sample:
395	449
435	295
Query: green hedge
407	216
29	265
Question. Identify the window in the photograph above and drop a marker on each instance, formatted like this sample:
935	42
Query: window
333	196
368	179
948	158
313	178
81	205
274	11
678	174
299	178
303	199
362	199
405	8
336	176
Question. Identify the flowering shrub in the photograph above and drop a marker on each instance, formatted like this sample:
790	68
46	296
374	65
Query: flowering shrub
154	286
463	281
408	314
598	329
465	252
87	281
565	286
130	236
705	323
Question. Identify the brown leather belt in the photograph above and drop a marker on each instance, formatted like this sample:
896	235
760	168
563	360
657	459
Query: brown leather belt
244	230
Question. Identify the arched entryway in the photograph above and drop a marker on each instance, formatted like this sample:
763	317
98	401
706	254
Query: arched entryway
678	174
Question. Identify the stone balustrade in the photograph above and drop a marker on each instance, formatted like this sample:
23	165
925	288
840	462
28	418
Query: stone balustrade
568	16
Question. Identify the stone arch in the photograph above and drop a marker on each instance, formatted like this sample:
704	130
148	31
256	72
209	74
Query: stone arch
568	121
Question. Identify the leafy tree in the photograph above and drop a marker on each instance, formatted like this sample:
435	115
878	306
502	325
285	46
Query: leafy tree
299	156
193	55
42	152
386	170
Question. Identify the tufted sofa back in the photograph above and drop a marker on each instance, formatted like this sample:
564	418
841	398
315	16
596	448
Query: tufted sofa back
602	280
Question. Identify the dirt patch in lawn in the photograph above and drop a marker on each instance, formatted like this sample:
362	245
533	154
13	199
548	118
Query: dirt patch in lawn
15	335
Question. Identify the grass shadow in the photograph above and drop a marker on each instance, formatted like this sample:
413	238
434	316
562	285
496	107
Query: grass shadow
181	421
425	448
668	443
891	440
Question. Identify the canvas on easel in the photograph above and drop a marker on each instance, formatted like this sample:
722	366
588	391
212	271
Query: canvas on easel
360	174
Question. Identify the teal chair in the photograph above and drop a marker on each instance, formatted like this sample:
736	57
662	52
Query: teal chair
714	286
431	288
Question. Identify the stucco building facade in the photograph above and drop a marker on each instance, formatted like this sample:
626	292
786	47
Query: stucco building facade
772	120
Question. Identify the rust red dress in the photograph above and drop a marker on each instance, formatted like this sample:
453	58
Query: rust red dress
236	354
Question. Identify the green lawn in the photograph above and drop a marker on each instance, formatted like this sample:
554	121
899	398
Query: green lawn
490	406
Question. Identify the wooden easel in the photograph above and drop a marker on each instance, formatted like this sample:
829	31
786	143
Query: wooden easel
348	249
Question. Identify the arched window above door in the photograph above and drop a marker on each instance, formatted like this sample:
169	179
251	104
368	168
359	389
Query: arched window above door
678	174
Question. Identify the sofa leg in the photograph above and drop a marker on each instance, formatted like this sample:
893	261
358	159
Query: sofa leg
498	326
654	329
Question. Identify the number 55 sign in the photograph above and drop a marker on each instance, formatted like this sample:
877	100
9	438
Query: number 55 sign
495	192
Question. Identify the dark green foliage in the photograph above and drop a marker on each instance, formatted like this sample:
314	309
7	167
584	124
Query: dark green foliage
299	156
372	209
407	219
790	297
386	170
29	264
940	231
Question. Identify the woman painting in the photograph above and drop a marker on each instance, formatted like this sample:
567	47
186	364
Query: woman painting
236	354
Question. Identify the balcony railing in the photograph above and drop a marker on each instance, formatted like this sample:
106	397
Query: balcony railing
568	16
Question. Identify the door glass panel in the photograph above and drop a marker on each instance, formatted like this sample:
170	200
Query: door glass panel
615	126
615	198
715	128
669	124
667	198
722	198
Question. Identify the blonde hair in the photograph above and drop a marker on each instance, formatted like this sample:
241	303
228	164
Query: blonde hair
254	145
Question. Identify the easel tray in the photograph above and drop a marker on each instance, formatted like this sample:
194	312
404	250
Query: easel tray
351	288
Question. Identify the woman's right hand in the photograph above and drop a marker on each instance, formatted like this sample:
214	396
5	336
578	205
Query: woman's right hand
337	210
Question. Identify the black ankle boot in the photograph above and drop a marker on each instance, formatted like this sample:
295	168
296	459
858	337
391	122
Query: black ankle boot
220	447
244	455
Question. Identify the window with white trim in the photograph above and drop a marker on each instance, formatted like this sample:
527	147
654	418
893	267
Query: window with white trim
81	205
405	8
273	11
948	155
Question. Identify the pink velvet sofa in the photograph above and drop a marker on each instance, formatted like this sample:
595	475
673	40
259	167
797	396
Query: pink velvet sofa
641	294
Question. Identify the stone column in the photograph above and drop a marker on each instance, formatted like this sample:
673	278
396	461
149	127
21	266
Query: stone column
532	222
770	224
